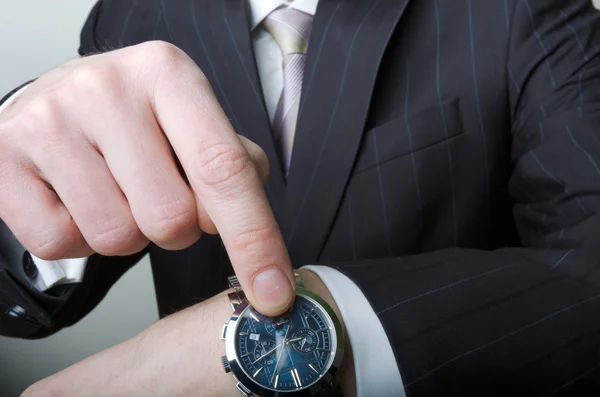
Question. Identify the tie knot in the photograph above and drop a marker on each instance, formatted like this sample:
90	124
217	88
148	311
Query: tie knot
290	28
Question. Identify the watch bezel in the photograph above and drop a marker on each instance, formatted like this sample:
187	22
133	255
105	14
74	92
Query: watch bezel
250	384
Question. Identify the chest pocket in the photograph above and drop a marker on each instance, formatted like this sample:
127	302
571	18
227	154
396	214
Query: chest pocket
401	136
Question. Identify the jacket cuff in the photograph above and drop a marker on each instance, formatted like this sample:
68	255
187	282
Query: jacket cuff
377	372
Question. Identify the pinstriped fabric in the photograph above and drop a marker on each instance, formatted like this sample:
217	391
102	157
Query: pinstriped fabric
218	83
127	21
329	126
409	134
448	150
291	29
479	110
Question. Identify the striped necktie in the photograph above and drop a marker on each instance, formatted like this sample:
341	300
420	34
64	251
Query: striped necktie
291	30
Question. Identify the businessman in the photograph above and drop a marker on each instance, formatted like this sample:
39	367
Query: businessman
435	163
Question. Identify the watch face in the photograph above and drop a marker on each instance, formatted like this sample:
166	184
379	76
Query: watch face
286	353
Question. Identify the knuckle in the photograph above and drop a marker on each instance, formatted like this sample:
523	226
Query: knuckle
172	221
35	123
52	242
159	53
96	82
253	240
221	164
115	237
40	114
39	130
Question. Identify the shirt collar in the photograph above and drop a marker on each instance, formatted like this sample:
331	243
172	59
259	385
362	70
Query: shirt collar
260	9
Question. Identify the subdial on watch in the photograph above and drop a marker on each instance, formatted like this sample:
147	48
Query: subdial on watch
278	326
305	340
265	352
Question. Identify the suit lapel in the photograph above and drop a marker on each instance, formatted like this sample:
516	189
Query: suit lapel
216	34
349	39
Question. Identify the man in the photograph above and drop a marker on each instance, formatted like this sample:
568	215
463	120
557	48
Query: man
442	156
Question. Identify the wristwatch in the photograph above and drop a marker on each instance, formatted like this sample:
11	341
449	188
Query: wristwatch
296	354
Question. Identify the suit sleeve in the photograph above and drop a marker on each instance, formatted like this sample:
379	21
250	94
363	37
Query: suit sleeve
519	320
26	312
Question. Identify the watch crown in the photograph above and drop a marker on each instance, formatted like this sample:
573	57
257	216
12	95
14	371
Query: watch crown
226	365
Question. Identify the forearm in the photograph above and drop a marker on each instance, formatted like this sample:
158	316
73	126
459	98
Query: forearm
179	355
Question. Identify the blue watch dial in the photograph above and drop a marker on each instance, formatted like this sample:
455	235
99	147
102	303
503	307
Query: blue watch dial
286	353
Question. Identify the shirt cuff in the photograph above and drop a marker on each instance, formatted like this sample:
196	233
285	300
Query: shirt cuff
60	272
377	372
12	97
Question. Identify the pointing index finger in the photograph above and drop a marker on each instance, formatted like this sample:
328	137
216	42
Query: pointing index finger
226	181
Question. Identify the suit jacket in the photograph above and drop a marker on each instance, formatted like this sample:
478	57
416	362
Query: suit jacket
447	159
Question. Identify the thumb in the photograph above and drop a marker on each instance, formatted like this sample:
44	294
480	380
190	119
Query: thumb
270	290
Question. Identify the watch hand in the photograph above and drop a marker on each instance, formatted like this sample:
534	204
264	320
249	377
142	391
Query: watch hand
286	334
303	342
294	340
267	353
275	370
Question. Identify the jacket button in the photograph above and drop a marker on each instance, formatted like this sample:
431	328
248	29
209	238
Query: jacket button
29	266
16	311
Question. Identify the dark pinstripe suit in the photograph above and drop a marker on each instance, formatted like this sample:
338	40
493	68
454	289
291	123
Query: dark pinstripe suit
447	159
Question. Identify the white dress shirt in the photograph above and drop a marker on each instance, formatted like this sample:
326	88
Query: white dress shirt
377	372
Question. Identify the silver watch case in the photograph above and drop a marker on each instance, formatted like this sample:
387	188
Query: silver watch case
234	363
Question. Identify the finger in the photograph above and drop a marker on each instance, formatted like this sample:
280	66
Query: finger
206	224
259	158
142	162
227	182
37	217
83	182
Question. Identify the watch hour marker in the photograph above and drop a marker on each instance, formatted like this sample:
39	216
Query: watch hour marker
313	368
245	355
276	381
257	372
322	329
254	317
243	333
296	377
322	349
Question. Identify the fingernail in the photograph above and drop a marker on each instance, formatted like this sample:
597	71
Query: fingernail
273	290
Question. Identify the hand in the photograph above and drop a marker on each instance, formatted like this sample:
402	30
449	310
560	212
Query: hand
90	159
178	356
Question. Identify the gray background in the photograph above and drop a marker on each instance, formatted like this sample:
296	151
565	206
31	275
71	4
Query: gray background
35	36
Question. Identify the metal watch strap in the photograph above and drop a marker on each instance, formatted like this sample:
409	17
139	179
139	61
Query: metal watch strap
237	296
